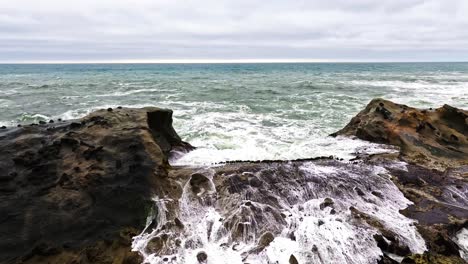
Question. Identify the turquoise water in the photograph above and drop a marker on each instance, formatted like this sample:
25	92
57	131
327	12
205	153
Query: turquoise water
234	111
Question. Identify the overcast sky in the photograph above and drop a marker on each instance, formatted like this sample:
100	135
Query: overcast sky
147	30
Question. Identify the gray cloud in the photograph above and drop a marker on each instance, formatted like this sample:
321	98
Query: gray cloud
49	30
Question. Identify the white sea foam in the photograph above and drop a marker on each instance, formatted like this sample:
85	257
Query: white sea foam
135	91
461	238
319	236
429	94
246	136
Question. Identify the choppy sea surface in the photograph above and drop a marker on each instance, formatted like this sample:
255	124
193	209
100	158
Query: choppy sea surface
234	111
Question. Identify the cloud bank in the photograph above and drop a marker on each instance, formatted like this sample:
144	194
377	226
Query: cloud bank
146	30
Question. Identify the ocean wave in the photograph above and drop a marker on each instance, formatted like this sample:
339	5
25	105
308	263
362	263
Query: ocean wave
419	84
32	118
137	91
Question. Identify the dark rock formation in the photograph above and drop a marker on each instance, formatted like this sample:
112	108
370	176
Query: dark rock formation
202	257
432	138
429	258
435	143
78	191
293	260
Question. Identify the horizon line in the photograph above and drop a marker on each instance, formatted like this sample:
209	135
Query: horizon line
215	61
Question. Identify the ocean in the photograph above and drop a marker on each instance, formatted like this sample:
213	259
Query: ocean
234	111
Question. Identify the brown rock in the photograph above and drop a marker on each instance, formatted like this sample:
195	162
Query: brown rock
293	260
435	139
74	187
202	257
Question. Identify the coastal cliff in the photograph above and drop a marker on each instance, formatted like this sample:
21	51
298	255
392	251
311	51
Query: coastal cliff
92	190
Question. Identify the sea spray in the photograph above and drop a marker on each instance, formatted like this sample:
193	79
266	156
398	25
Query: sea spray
322	211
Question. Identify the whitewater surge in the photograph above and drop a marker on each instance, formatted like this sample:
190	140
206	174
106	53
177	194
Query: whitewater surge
234	111
314	212
322	211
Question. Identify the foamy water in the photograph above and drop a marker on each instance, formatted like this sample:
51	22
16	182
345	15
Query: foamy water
234	111
255	112
309	232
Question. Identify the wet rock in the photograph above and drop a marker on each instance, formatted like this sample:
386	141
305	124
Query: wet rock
328	202
178	223
155	245
78	192
434	143
265	239
314	248
166	137
7	177
446	146
69	141
293	260
82	184
92	153
202	257
75	125
377	194
387	260
199	183
429	258
255	182
382	242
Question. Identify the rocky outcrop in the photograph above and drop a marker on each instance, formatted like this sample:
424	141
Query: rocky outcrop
435	138
435	143
78	191
316	200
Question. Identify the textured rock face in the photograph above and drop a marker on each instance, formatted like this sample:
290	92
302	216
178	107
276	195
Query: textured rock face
432	138
435	143
306	211
78	191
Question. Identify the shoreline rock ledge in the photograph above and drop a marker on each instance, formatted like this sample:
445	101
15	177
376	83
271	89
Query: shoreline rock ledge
434	138
434	143
79	191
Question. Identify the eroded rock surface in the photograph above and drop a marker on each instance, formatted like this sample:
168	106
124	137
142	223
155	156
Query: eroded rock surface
317	211
78	191
434	142
90	190
435	138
